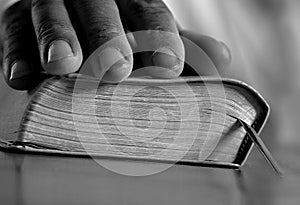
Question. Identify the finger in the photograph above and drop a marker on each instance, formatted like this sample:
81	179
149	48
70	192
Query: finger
217	51
59	47
105	37
20	53
159	35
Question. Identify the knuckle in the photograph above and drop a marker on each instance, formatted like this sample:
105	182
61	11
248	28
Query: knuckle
15	10
38	3
13	18
98	35
99	21
47	31
16	31
14	48
41	4
136	6
90	5
149	14
11	53
48	23
12	31
140	7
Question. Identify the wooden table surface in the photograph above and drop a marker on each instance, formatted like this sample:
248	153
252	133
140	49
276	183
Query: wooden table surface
32	179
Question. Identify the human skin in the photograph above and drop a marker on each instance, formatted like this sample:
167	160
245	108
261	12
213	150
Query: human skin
57	36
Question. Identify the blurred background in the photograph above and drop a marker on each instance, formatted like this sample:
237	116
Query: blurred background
264	37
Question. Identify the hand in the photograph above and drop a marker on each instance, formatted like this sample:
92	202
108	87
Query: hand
57	35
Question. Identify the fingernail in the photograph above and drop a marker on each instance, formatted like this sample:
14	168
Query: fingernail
112	60
166	58
226	51
59	50
19	70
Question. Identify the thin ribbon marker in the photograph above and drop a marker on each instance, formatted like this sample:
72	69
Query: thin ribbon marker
261	146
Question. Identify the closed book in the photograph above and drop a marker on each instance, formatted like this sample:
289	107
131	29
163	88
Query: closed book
190	121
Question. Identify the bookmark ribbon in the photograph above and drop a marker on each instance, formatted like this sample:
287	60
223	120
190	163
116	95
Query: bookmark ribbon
261	146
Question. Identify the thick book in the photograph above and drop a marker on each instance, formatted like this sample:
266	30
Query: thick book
191	120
